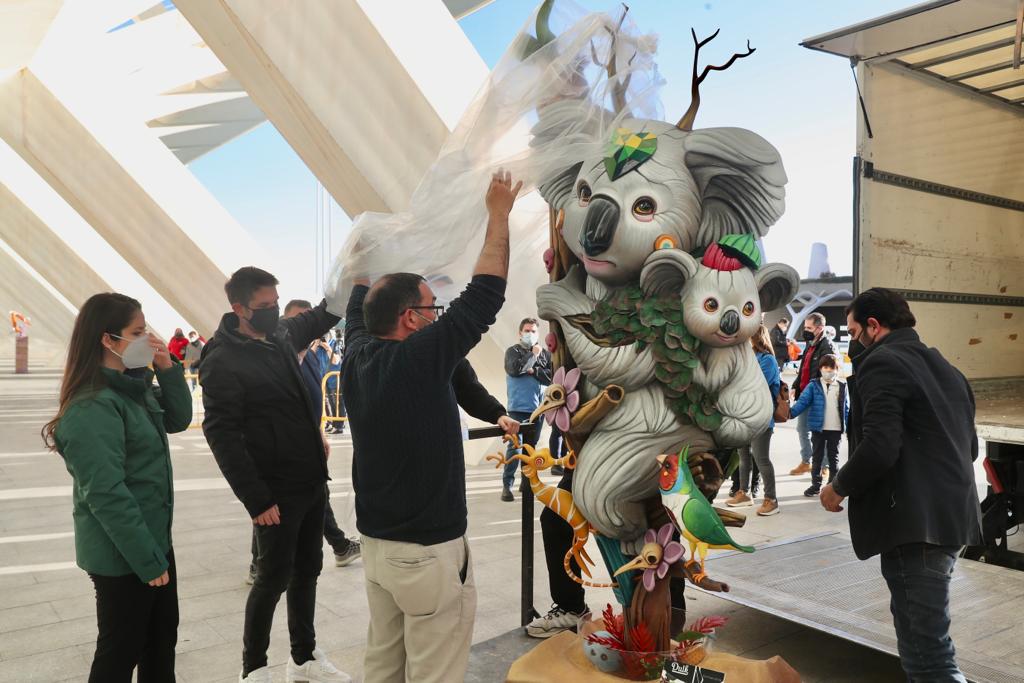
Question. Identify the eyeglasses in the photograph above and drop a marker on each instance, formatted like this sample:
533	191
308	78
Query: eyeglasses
438	310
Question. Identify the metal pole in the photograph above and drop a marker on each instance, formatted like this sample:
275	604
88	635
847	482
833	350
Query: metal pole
527	613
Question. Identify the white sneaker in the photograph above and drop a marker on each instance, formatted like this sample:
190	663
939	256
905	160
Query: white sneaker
317	670
260	675
552	623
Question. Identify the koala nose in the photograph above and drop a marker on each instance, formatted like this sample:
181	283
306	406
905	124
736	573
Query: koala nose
599	225
730	324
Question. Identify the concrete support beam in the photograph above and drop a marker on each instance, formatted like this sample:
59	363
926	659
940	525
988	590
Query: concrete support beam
92	181
353	86
51	320
45	252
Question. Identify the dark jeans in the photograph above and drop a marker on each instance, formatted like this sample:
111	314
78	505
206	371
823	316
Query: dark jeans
508	477
824	444
755	458
138	626
289	558
557	446
737	480
557	536
918	576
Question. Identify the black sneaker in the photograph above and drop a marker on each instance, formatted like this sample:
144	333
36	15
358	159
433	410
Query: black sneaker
812	492
506	495
351	554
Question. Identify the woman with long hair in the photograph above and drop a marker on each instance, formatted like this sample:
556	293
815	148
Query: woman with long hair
111	429
758	450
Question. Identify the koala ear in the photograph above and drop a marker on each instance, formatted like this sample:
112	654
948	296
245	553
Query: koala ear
666	271
557	190
741	181
777	284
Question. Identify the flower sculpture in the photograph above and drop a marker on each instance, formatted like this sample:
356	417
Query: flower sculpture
563	390
672	551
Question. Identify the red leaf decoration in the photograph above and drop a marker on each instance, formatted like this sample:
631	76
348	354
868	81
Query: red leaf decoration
708	624
615	625
607	642
641	638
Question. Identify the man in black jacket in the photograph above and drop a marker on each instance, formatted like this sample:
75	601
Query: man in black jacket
261	426
817	345
405	374
780	345
910	475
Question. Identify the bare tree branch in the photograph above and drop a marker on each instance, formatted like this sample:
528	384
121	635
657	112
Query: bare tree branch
686	123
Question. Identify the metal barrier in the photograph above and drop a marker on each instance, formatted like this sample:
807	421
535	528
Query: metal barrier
527	612
198	412
325	415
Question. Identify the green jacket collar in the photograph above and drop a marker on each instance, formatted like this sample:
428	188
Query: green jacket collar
129	385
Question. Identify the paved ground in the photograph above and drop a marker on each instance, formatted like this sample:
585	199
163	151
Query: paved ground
47	618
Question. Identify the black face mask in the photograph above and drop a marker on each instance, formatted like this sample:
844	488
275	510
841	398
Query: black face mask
808	336
265	319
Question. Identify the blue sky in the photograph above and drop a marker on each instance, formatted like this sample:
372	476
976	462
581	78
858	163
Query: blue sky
803	102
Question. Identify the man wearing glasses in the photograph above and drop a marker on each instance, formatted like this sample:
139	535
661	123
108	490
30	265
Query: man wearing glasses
405	377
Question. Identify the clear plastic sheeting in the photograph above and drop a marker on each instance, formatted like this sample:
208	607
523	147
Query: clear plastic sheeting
586	71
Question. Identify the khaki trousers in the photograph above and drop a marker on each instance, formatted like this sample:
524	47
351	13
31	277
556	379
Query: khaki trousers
422	603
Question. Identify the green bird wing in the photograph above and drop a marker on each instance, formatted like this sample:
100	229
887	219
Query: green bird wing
703	522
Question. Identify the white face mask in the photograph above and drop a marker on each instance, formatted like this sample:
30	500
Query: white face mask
828	375
138	353
528	338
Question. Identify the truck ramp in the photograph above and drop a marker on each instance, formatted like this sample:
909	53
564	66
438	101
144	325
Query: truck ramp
818	582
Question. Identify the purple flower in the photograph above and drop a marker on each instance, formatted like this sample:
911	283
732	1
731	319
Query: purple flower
568	381
672	552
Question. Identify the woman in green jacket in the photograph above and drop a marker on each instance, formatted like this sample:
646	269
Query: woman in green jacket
111	429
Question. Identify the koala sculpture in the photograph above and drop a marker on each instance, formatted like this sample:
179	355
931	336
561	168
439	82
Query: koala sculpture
656	186
722	298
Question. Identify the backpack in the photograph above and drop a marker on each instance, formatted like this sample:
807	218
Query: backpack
782	404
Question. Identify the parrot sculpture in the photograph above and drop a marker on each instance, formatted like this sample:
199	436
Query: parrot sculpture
691	512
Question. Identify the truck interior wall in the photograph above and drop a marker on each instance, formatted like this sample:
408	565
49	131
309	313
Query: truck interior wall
914	240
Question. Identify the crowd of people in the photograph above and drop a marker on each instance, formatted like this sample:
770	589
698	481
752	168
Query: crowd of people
908	415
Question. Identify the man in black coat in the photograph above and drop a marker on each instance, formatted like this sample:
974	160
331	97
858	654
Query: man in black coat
910	475
261	425
780	345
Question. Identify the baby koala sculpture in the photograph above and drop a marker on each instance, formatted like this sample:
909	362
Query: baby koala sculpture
722	296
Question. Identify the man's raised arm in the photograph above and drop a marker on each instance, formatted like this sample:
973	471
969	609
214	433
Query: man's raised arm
501	195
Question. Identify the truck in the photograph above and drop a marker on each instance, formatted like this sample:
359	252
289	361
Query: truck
938	215
938	209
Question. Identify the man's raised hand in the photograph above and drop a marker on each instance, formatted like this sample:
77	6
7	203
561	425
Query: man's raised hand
501	194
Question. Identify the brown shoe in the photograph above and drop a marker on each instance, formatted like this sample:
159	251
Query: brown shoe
740	500
824	474
769	507
801	469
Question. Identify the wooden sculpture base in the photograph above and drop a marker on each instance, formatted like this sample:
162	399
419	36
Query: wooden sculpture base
560	659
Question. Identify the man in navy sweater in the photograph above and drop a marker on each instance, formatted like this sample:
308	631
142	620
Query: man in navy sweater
405	376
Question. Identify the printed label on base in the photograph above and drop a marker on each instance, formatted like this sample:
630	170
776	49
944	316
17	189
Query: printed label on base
676	671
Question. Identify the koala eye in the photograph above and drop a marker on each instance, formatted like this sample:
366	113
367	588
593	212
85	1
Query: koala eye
644	208
584	192
711	304
748	309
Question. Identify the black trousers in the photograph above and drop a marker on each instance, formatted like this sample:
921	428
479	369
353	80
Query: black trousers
333	534
288	559
557	536
557	445
824	444
138	627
